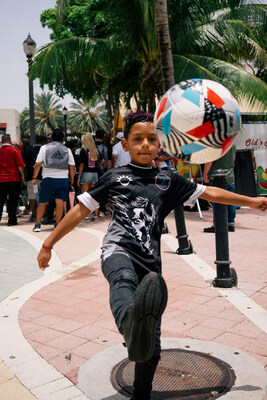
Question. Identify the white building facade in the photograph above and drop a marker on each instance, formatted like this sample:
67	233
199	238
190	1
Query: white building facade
10	123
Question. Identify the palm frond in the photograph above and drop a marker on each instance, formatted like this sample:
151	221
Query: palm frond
84	117
230	40
74	58
241	83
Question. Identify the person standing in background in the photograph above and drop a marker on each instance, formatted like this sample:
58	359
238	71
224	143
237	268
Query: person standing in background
11	175
89	165
164	160
29	156
119	156
227	163
57	161
102	150
104	154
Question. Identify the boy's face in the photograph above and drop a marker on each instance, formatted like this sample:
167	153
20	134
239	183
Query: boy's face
142	143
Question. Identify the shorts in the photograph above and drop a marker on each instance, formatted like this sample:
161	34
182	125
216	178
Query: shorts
54	188
31	194
89	177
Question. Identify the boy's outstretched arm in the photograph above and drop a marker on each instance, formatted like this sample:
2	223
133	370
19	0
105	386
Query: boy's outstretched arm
217	195
68	223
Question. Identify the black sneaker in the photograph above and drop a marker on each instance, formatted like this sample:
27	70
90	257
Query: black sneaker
139	324
37	228
211	229
231	228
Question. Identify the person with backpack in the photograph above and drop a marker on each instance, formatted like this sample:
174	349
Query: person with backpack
57	164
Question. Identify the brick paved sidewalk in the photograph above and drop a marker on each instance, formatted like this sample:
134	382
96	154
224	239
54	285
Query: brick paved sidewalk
68	320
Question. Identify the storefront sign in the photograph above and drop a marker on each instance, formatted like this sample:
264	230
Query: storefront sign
254	137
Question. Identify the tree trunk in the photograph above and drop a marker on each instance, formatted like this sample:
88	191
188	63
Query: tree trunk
162	27
151	105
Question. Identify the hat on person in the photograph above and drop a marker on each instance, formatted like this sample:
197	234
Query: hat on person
119	135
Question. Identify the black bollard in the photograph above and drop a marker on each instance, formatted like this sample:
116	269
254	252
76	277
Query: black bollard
185	246
225	275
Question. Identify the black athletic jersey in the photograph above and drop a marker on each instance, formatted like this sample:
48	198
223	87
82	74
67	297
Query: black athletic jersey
140	199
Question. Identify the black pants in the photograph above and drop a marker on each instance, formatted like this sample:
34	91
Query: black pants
12	191
123	277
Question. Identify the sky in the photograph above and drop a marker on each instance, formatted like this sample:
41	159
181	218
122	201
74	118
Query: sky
18	18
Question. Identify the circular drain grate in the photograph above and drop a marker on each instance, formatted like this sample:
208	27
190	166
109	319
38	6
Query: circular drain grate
181	374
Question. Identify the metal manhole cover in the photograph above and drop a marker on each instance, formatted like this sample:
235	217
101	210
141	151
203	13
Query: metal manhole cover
181	374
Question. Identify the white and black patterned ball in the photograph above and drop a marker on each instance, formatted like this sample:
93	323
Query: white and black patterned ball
197	120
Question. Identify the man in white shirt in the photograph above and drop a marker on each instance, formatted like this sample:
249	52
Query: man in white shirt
57	162
119	156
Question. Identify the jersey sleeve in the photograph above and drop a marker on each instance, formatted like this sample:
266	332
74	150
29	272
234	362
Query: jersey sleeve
183	189
192	199
87	200
100	190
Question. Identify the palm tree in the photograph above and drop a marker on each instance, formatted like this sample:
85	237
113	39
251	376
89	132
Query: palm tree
208	41
216	45
86	117
86	65
48	115
162	26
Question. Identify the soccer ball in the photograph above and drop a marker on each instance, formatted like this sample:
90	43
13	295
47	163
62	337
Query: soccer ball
197	120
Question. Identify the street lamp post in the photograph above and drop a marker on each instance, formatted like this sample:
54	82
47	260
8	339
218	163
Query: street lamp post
29	47
65	113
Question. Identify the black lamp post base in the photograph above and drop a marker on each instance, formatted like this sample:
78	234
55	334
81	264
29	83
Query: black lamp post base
228	282
185	250
223	282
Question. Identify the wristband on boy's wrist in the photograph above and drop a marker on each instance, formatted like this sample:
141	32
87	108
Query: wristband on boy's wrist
46	247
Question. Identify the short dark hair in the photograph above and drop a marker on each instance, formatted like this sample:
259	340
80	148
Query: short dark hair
57	135
133	118
41	139
100	133
6	138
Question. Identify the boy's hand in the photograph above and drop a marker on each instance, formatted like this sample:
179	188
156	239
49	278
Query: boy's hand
67	224
259	203
43	258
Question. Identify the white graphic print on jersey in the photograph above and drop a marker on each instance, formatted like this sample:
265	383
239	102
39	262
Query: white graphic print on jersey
124	180
137	218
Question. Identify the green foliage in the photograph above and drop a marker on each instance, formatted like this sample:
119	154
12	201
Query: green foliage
81	18
86	117
110	47
47	115
240	83
222	41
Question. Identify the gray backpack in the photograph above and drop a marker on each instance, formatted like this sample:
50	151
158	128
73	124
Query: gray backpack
56	156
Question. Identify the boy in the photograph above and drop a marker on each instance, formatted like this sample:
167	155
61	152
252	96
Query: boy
141	197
